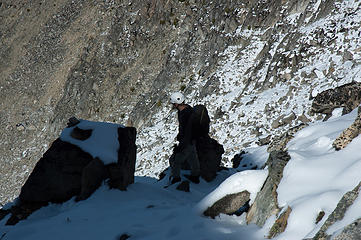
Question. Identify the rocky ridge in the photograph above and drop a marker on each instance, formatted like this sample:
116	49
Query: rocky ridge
256	64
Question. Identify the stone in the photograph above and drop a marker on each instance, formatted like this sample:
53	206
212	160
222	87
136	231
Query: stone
57	175
350	232
121	174
92	176
338	214
66	171
210	155
183	186
281	223
236	160
266	203
228	204
347	96
73	121
81	134
348	134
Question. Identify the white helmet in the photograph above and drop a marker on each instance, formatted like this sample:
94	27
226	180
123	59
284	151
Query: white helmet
177	97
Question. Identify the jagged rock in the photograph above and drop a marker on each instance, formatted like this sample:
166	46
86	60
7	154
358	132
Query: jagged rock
320	217
265	204
281	223
228	204
236	160
81	134
92	176
57	175
347	96
210	155
121	174
338	214
350	232
349	134
73	121
283	120
124	237
65	171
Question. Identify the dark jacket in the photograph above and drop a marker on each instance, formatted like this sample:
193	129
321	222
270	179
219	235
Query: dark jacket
185	127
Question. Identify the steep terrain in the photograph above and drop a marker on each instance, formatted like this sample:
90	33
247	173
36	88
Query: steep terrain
256	64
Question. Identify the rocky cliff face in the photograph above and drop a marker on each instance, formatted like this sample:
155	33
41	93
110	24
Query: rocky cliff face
256	64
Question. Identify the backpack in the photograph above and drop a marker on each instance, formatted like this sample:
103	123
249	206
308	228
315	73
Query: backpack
200	121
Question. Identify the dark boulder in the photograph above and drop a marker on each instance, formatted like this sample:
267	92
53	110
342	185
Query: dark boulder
210	155
66	171
339	213
266	203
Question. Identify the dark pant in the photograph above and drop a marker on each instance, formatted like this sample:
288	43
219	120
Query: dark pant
189	154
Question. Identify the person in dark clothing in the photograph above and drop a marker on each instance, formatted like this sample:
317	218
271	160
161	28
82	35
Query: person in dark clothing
186	150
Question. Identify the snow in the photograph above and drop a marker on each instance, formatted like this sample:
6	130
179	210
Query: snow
317	176
249	180
314	180
103	143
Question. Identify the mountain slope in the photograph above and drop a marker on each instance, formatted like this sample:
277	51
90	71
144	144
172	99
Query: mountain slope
314	180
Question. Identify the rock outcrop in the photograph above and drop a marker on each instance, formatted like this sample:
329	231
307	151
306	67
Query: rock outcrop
210	155
266	203
347	96
338	214
228	204
67	171
349	134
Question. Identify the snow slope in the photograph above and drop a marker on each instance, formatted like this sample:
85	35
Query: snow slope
315	179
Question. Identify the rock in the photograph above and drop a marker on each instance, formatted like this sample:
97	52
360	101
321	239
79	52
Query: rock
281	223
124	236
65	171
228	204
73	121
347	96
57	175
81	134
349	134
92	176
121	174
210	155
183	186
264	141
338	214
350	232
236	160
265	204
20	127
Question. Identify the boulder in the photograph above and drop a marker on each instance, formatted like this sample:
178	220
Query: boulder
349	134
57	175
265	204
228	204
350	232
281	223
347	96
210	155
66	171
338	214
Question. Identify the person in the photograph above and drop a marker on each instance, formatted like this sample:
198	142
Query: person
185	151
